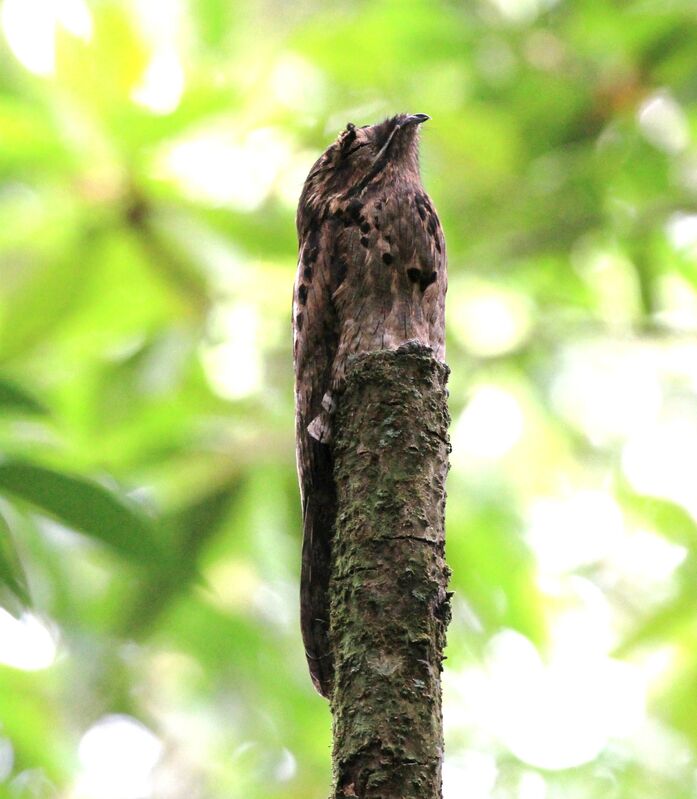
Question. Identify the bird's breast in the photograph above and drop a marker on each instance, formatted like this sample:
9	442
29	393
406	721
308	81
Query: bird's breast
387	261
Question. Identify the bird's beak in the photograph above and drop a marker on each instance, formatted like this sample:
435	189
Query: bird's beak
416	119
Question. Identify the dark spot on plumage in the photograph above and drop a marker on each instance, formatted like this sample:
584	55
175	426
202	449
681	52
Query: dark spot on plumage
353	209
388	238
420	202
302	294
365	227
365	241
432	226
376	223
438	247
387	258
311	249
298	321
378	206
426	280
339	269
307	273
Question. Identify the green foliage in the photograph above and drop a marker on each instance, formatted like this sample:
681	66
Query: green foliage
83	506
12	576
149	519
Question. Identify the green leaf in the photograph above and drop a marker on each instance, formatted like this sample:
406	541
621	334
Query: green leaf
665	624
214	19
16	398
191	530
46	296
85	506
665	517
11	572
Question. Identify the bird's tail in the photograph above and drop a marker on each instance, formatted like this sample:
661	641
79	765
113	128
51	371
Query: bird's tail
319	514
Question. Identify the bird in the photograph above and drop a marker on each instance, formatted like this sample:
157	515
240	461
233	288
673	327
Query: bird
371	275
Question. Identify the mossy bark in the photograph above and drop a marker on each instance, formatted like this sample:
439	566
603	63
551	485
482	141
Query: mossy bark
388	598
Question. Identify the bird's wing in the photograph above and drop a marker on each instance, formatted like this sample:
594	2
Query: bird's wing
430	249
314	349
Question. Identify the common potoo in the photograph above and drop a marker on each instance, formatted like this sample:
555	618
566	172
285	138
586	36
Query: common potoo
371	276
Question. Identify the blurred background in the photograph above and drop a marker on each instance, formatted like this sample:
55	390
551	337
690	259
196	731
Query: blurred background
151	157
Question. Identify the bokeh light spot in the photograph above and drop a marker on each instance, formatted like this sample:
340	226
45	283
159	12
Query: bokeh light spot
491	424
117	757
26	643
663	122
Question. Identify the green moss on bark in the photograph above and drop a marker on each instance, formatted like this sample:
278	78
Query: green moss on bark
389	604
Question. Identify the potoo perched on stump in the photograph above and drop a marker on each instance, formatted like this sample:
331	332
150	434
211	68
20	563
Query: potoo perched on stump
371	276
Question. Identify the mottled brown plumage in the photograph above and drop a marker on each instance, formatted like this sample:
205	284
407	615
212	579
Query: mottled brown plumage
371	276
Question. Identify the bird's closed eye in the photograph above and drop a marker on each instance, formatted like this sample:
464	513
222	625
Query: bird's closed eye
357	147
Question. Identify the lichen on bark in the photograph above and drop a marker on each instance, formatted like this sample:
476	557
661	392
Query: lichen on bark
388	587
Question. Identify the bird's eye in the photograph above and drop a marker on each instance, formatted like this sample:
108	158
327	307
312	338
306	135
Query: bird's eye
350	126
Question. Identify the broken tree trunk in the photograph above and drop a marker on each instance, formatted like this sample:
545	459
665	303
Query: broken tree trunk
388	598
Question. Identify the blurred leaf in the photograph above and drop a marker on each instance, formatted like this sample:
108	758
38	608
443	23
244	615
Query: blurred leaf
662	515
665	624
14	397
494	569
11	572
31	719
28	139
214	18
84	506
118	49
190	531
51	289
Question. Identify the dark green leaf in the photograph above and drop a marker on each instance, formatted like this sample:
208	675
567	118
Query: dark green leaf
14	397
190	530
11	573
83	505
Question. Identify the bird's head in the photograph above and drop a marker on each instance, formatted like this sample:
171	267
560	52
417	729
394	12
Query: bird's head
359	151
361	156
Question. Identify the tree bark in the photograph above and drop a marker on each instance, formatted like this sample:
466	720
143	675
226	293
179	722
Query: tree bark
388	598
